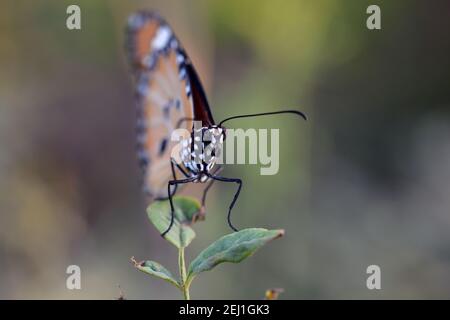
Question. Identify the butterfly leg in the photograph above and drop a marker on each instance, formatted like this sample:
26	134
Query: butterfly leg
172	210
236	195
173	164
205	192
202	213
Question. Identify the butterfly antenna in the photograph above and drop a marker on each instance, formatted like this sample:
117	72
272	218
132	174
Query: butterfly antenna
301	114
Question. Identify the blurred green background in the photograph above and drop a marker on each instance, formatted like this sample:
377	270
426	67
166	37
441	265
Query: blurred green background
364	181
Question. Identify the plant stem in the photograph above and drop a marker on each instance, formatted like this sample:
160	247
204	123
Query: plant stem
182	267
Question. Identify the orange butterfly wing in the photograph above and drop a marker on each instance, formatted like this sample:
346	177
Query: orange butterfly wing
167	91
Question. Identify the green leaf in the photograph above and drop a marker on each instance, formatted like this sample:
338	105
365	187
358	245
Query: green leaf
233	247
155	269
186	208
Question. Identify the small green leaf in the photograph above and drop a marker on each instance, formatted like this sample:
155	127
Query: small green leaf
189	207
155	269
181	234
233	247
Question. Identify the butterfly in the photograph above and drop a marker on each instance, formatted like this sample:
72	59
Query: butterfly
169	97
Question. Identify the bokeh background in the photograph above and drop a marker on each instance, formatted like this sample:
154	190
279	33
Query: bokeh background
364	181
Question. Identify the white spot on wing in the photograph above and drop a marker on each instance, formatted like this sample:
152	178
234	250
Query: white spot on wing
180	59
182	74
135	21
149	61
162	38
